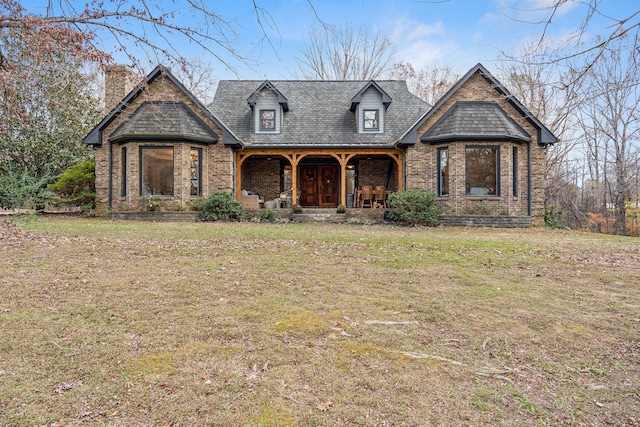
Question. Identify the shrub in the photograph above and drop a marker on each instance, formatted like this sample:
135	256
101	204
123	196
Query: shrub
19	188
296	209
552	215
152	203
77	185
413	207
268	215
221	205
342	209
479	208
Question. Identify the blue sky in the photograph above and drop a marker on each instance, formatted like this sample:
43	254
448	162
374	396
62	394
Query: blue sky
456	32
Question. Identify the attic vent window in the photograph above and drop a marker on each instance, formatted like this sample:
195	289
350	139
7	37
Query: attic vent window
371	119
267	120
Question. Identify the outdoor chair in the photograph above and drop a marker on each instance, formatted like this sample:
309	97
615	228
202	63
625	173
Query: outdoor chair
367	196
380	193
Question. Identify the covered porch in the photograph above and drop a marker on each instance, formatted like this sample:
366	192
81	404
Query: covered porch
316	178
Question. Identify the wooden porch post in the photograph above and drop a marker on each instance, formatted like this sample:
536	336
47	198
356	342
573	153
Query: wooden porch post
240	158
400	163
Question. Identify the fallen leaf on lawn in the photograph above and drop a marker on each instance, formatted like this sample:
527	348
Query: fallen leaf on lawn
324	407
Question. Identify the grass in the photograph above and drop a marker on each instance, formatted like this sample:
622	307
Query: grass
114	323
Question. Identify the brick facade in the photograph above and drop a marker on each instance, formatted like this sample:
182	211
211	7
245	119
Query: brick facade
217	160
422	162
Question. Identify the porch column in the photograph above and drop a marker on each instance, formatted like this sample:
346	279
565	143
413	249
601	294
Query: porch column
343	159
240	158
399	162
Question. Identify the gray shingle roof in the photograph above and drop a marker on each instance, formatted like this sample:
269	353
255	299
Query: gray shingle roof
475	120
318	115
162	120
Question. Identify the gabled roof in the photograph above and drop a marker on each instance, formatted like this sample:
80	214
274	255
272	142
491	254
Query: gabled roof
319	113
162	120
386	99
94	137
544	135
267	85
475	121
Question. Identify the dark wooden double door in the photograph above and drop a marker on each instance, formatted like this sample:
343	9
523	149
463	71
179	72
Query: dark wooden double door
319	185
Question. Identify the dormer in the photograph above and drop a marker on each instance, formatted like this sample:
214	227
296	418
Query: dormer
369	106
268	106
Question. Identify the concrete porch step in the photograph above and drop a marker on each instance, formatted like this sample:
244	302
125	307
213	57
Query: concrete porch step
319	215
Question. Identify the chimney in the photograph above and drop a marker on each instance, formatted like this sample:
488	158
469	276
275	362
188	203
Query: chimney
119	80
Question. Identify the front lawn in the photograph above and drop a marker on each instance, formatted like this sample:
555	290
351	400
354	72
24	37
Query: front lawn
242	324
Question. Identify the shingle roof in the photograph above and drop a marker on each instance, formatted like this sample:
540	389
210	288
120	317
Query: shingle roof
162	120
544	135
94	137
318	115
475	120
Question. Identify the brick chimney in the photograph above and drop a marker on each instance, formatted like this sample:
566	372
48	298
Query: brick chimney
119	80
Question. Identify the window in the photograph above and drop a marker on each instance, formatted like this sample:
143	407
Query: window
267	119
156	171
482	174
123	189
514	162
195	171
443	172
370	120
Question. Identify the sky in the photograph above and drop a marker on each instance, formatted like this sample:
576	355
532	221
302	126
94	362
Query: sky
459	33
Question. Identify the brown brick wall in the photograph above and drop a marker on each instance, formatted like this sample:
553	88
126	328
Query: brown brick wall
217	160
375	171
262	176
421	164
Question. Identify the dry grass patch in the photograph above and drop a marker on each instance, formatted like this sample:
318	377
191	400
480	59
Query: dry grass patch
133	323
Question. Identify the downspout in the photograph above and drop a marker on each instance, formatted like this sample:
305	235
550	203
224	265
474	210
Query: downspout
529	176
110	184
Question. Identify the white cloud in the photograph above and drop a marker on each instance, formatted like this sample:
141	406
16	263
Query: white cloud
405	30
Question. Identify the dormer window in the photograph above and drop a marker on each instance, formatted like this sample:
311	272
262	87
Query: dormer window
371	120
267	120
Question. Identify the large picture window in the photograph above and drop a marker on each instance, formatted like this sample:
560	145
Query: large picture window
443	172
482	171
195	171
156	171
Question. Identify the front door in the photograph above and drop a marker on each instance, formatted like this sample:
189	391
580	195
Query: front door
319	185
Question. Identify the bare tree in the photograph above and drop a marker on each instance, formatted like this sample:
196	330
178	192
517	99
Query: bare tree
134	27
533	83
343	53
580	50
429	83
611	121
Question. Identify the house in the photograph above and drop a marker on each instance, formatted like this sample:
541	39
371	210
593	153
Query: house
317	143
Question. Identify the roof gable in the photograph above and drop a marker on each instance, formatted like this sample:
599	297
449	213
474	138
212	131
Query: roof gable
475	120
544	135
164	120
94	137
267	85
386	99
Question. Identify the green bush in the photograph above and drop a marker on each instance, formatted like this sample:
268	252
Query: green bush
341	209
221	205
77	185
19	188
268	215
552	217
413	207
153	203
